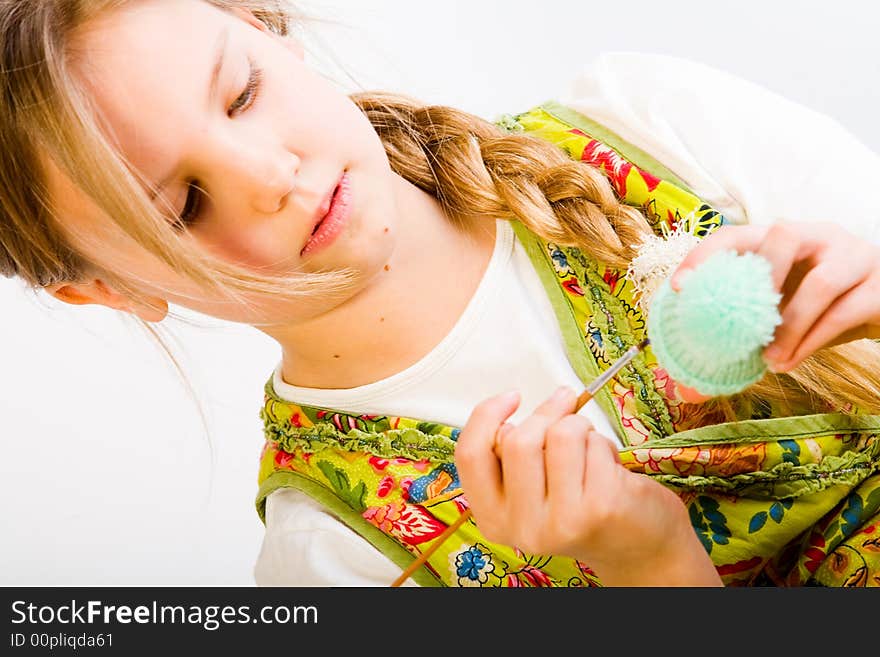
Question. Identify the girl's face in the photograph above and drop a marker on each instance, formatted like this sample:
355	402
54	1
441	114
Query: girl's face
197	96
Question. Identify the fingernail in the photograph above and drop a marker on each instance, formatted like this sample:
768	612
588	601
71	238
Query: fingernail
509	397
562	393
779	368
774	358
675	283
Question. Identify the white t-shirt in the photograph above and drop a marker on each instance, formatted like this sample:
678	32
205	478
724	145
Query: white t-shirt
754	156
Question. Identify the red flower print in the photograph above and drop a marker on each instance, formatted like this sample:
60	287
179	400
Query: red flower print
815	556
378	463
739	566
599	155
405	484
650	180
407	522
572	286
728	460
421	465
283	459
385	486
611	277
664	383
528	576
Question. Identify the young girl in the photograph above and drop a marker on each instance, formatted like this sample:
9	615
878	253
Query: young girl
416	263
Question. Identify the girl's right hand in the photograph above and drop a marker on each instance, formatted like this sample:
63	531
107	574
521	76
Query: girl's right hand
553	485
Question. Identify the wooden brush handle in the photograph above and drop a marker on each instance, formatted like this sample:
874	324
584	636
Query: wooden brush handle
423	557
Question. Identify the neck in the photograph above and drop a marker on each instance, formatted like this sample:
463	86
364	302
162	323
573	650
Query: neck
404	312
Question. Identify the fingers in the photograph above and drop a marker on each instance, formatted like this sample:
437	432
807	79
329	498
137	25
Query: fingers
854	315
780	247
820	269
522	453
738	238
603	470
558	405
478	467
565	458
815	296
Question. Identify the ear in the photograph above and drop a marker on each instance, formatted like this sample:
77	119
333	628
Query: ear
97	292
288	42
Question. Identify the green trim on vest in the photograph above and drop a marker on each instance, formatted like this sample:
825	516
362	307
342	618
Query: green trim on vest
768	429
575	344
632	153
323	495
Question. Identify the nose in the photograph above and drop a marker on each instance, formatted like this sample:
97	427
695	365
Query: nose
268	179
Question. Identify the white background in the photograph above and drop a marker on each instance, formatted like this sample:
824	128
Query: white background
106	476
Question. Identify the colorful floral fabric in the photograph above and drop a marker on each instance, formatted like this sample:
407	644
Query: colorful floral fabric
780	501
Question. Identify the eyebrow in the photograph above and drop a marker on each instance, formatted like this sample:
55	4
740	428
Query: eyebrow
219	60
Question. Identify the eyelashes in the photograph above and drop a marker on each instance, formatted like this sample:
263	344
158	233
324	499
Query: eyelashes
192	206
250	93
194	193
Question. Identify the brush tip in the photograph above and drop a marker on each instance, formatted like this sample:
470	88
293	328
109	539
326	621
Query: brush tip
644	343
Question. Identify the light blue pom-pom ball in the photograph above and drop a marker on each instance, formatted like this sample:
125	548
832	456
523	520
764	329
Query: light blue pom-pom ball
710	335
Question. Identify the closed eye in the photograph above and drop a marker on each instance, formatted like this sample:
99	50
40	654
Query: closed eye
250	93
191	207
194	194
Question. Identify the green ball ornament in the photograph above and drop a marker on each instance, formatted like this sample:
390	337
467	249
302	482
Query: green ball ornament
710	335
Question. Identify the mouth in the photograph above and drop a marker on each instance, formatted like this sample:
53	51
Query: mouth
324	208
329	217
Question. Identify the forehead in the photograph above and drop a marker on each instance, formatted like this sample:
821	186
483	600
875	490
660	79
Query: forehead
147	66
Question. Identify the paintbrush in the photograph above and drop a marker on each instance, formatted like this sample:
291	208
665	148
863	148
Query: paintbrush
583	398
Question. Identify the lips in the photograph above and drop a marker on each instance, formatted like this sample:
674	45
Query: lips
330	217
324	208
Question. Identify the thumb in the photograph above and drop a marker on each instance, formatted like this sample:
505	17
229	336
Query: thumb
488	415
558	405
475	458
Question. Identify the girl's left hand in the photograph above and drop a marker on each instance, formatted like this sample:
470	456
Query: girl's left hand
828	277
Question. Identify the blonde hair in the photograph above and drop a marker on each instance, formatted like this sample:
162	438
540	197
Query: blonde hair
470	165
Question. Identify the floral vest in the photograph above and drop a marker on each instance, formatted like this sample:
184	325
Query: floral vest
774	500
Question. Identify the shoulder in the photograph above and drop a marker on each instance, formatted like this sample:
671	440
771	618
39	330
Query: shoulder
305	545
647	73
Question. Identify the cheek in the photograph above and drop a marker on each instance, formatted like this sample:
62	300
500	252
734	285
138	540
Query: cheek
268	246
